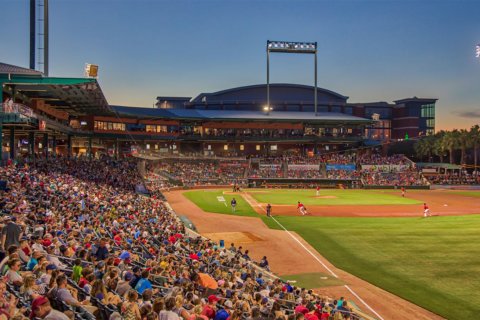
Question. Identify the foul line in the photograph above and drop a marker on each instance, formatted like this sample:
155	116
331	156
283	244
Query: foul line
316	258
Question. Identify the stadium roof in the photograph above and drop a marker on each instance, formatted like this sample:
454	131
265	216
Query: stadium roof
415	99
77	96
6	68
273	86
230	115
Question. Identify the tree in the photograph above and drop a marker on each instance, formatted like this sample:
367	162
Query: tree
450	142
464	140
439	148
424	147
475	142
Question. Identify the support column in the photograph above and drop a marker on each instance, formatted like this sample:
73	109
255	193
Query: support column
45	145
54	146
90	148
12	143
31	146
69	146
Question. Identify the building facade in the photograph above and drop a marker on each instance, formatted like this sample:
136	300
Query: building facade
71	116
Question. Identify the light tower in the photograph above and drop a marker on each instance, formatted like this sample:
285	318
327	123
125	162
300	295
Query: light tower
291	47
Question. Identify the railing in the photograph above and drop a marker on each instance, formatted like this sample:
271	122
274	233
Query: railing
18	108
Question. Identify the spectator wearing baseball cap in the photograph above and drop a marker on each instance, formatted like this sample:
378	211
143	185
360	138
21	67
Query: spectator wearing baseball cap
42	309
209	309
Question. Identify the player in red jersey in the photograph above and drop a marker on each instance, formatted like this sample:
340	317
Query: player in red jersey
426	210
302	208
403	192
318	191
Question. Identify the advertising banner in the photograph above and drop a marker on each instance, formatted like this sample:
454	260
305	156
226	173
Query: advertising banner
347	167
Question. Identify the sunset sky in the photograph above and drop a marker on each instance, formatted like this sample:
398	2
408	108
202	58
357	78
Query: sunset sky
368	50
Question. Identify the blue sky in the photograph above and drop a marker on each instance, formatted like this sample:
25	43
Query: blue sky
368	50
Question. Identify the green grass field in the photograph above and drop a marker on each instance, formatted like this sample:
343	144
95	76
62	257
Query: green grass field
431	262
333	197
468	193
208	200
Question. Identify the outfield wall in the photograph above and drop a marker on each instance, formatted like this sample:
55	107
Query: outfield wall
454	187
303	183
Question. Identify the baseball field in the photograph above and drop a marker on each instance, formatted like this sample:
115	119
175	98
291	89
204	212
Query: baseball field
382	238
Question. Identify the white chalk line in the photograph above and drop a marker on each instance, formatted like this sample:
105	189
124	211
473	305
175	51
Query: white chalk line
316	258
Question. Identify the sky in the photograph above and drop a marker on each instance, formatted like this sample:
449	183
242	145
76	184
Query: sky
381	50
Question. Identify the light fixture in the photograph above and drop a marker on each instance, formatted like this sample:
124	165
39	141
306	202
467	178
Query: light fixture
477	51
287	46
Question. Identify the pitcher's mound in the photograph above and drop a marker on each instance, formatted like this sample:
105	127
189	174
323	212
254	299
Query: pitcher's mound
326	197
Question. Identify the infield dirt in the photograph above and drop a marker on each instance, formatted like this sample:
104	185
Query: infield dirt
286	256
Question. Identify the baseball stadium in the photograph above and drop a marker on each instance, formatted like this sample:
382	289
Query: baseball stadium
265	201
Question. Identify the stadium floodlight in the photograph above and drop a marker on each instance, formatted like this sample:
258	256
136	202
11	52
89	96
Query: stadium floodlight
291	47
267	109
477	51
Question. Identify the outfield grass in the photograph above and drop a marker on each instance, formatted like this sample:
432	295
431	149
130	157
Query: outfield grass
431	262
208	201
332	197
468	193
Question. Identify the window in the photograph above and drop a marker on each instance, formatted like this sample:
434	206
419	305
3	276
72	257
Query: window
273	147
257	147
242	147
101	125
428	111
225	147
348	110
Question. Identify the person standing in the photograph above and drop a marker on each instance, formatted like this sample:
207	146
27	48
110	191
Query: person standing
11	233
426	210
269	210
233	203
403	192
318	191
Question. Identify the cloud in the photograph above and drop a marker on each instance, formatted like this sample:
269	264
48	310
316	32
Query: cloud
468	114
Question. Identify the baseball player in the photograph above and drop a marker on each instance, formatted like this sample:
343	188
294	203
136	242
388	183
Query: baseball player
318	191
302	208
403	192
269	210
233	203
426	210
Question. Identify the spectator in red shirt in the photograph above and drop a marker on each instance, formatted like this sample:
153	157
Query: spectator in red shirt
209	309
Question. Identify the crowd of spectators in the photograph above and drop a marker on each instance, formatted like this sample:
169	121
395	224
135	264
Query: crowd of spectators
409	177
464	178
77	246
201	171
343	174
305	173
270	171
378	159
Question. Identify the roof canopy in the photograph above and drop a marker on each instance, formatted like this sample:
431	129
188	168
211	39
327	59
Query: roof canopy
77	96
229	115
